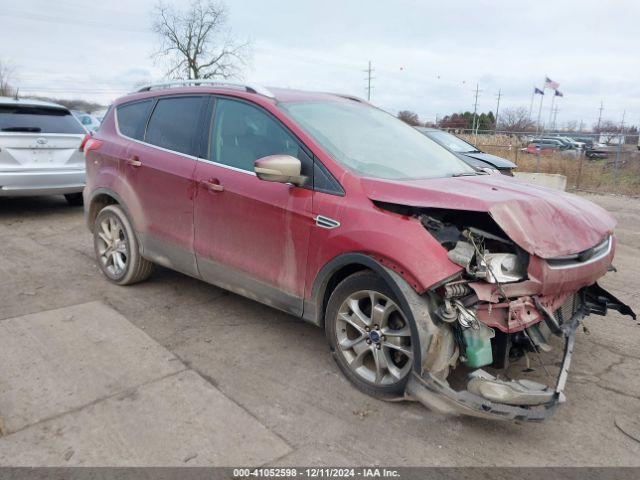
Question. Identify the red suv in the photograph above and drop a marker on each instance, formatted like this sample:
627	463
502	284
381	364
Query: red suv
330	209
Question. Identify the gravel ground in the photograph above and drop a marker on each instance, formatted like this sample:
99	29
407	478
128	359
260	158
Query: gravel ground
279	370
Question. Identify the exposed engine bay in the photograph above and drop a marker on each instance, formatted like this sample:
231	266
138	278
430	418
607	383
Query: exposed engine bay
507	306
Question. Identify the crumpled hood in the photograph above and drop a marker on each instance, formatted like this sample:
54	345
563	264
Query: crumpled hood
544	222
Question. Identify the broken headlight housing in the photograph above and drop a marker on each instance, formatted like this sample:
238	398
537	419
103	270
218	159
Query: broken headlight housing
480	263
500	268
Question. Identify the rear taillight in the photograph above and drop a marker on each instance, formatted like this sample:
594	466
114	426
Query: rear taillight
89	144
84	142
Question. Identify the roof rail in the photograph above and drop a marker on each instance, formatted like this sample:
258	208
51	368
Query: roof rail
251	88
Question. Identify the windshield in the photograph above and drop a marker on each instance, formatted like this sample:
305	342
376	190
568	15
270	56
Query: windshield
36	119
452	142
373	143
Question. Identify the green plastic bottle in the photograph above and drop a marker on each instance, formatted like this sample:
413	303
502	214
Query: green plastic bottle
478	346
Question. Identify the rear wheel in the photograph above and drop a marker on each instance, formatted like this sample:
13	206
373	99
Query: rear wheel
370	335
117	249
74	199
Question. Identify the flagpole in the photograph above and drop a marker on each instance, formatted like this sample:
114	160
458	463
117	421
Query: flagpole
553	100
540	109
531	106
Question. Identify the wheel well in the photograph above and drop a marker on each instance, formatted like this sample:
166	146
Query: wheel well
337	277
98	203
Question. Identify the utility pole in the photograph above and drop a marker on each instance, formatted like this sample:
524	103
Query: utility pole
497	110
369	71
599	117
475	111
555	116
619	149
553	99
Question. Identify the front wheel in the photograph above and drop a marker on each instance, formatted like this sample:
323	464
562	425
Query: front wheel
370	336
117	249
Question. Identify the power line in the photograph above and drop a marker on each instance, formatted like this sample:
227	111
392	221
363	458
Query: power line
68	21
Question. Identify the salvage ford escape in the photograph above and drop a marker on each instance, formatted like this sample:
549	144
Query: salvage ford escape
417	265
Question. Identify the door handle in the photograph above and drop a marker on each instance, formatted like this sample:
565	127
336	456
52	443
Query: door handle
213	184
134	161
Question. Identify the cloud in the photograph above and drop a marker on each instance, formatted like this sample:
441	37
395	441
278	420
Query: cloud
427	57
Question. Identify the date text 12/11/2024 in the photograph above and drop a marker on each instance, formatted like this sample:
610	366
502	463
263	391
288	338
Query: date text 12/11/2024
315	472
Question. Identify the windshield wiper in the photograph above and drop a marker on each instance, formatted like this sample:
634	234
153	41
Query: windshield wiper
468	174
22	129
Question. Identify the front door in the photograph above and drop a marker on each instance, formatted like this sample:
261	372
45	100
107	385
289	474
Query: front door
251	236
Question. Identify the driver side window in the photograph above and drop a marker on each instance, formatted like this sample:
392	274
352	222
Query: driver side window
243	133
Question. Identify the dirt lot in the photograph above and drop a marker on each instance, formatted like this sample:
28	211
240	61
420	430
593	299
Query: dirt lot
278	369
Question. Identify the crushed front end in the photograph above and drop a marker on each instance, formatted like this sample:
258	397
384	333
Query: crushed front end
505	306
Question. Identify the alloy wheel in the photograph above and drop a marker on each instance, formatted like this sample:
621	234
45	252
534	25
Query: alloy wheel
374	337
112	246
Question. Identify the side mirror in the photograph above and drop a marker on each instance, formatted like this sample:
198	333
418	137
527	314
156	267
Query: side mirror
279	168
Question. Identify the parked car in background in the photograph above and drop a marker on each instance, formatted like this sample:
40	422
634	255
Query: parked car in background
587	141
39	150
596	153
544	145
565	144
572	142
468	152
89	122
337	212
99	114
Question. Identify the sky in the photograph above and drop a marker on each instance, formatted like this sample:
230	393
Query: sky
427	56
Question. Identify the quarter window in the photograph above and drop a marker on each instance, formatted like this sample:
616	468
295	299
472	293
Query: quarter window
132	118
174	124
243	133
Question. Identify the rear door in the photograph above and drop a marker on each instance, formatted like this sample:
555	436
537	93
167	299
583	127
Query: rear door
37	138
252	236
160	185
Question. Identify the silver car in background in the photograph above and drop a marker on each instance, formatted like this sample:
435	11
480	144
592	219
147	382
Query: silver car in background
39	150
89	122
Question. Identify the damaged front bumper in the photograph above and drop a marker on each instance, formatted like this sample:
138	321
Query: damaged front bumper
488	397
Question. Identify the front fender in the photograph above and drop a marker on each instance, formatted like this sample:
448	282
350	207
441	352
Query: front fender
437	350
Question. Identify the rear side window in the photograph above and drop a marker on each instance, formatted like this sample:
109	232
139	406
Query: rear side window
36	119
132	118
174	124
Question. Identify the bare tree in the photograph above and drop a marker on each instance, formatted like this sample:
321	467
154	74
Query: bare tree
6	72
572	125
196	42
608	130
515	120
409	117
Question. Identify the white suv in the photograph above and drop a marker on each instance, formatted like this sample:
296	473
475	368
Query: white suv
39	150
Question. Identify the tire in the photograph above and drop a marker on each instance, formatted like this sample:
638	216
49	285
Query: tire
74	199
362	355
116	248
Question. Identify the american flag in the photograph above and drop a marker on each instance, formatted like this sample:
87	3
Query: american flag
548	83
